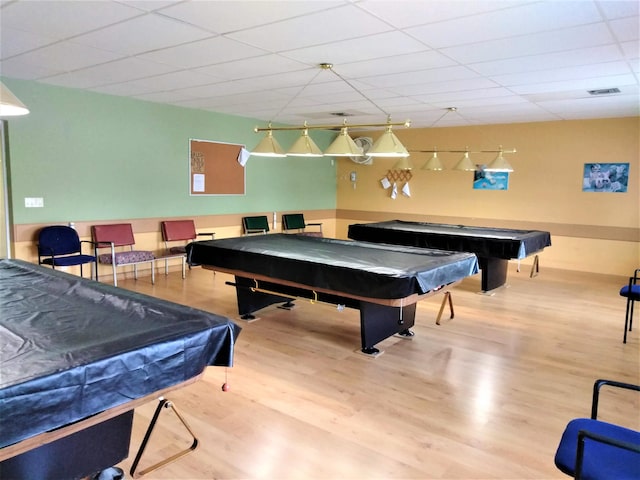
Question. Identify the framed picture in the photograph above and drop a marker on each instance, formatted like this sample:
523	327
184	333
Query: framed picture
605	177
483	180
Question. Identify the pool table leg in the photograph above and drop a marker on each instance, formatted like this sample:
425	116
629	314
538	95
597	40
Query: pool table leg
378	322
494	272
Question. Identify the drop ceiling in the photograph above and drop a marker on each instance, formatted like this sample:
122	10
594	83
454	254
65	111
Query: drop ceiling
495	61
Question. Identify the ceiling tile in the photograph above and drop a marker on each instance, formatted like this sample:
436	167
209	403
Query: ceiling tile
346	22
513	22
142	34
107	73
253	67
534	44
383	45
203	52
225	16
67	56
62	19
547	61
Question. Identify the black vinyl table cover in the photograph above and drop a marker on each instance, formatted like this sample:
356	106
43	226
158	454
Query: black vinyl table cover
72	347
483	241
352	268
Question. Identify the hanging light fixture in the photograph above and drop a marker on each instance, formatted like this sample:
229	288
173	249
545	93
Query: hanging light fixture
304	146
500	163
344	146
403	164
10	106
465	164
388	145
268	147
433	163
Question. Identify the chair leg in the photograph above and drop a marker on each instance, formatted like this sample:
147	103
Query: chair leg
115	275
628	315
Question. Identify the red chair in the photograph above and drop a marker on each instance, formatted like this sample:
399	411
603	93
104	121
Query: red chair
120	236
176	234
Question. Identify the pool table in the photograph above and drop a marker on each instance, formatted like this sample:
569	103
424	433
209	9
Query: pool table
78	356
493	246
383	282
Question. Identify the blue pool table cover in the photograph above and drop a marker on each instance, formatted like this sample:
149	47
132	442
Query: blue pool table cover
72	347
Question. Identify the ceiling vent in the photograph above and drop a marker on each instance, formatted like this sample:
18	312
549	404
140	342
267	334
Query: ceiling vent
604	91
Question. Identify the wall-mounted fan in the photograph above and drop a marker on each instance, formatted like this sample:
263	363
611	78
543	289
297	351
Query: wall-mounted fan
365	144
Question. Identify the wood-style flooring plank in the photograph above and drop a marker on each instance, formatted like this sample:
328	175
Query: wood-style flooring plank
485	395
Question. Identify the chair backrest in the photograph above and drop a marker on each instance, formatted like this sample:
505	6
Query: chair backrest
121	234
58	240
293	221
257	224
176	230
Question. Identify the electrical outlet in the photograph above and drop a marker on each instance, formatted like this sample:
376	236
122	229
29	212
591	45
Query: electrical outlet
33	202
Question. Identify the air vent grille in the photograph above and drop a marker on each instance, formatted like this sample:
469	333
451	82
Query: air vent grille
604	91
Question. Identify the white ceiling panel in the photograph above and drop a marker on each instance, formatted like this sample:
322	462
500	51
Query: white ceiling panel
328	26
123	70
517	21
253	67
142	34
498	61
228	16
67	56
535	44
203	52
417	12
547	61
382	45
14	42
60	19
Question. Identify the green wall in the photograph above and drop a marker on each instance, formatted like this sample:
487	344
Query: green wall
101	157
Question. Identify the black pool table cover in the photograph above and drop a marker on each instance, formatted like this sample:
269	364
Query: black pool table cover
72	347
483	241
351	268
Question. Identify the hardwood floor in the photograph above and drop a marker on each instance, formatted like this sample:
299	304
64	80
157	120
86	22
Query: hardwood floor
483	396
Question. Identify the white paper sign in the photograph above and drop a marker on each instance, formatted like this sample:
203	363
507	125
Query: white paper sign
198	182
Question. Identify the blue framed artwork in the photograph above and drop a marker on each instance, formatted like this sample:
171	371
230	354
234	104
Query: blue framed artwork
483	180
605	177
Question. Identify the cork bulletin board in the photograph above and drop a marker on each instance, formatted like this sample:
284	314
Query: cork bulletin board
214	168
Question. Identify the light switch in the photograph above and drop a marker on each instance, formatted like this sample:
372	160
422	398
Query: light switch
33	202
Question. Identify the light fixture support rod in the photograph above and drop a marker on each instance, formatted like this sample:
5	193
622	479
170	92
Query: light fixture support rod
464	151
405	124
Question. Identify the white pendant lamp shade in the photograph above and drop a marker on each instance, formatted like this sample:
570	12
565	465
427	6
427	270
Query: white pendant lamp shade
433	163
465	163
268	147
344	146
304	147
9	104
388	145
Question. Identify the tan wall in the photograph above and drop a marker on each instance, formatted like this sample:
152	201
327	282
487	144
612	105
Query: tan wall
148	237
592	232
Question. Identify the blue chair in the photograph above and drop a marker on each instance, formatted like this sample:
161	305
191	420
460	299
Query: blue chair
60	246
632	293
596	450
